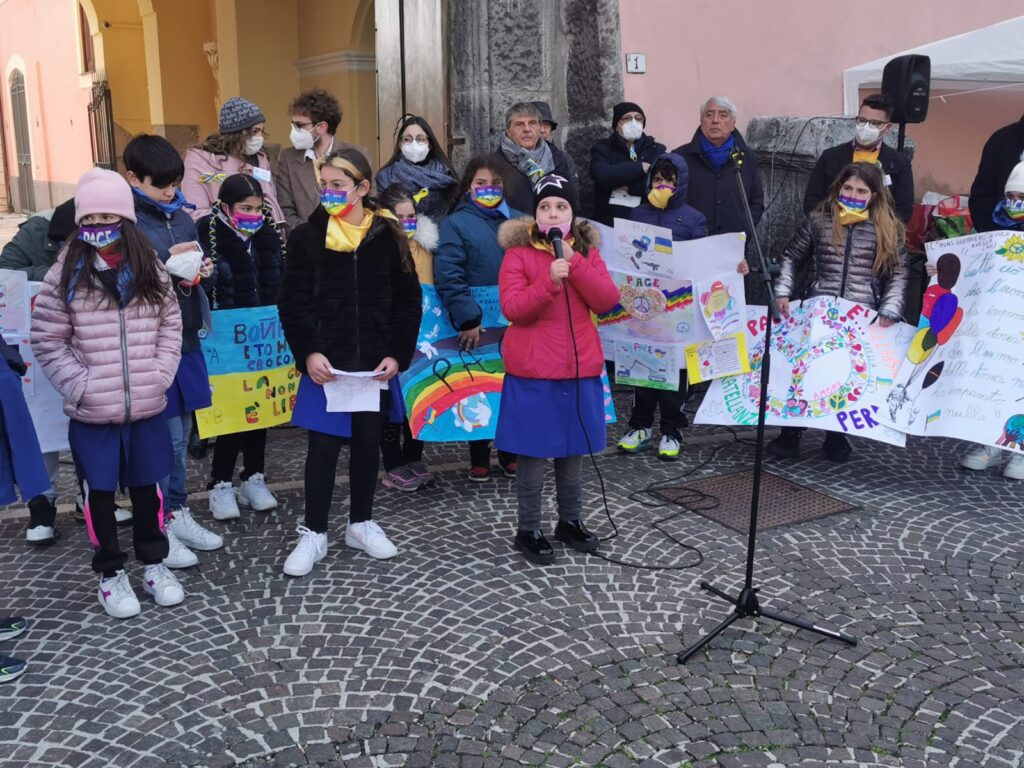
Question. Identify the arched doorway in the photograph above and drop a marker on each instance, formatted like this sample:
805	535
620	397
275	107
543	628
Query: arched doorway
26	197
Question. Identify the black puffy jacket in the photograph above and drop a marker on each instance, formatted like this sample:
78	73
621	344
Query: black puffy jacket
247	273
1003	150
356	308
846	270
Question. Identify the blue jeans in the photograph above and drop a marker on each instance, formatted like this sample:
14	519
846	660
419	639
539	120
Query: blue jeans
173	486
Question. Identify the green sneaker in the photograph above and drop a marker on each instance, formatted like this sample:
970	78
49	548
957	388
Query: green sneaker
669	448
635	440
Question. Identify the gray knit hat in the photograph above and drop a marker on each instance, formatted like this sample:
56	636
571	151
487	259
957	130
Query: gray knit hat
237	114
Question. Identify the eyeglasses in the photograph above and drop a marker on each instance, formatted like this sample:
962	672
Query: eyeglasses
862	121
337	185
406	140
302	126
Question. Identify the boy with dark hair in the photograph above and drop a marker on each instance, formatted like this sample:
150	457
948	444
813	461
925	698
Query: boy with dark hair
665	206
154	169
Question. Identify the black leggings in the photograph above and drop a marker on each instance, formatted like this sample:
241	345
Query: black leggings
147	531
397	445
253	447
363	463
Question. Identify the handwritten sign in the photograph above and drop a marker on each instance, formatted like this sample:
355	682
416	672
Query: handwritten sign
648	364
15	302
963	373
253	380
838	381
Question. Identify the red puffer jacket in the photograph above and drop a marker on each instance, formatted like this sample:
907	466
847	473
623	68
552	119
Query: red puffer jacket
537	345
111	366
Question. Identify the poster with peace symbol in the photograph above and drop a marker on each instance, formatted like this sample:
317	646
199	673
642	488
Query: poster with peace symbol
831	369
963	373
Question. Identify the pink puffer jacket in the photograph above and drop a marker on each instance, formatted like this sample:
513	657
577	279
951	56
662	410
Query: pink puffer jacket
111	366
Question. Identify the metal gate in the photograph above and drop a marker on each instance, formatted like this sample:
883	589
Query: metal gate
101	127
22	149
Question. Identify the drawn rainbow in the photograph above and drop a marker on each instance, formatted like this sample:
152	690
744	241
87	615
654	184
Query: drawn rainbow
678	299
427	396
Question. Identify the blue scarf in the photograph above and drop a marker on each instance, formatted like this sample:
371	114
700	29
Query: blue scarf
125	280
717	156
168	209
1000	217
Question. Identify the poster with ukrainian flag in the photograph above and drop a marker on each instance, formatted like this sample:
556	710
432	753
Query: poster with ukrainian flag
253	380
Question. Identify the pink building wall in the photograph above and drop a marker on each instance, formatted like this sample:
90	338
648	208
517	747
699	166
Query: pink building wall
41	39
786	57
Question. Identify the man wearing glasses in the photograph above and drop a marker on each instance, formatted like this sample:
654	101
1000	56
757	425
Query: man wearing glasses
315	117
872	123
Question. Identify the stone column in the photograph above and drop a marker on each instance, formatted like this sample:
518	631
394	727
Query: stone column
565	52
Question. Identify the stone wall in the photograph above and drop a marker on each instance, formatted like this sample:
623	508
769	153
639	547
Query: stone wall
565	52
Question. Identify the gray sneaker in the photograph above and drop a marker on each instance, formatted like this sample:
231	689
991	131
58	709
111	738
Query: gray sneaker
403	479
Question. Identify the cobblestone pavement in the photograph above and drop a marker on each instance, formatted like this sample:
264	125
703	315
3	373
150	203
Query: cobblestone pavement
458	653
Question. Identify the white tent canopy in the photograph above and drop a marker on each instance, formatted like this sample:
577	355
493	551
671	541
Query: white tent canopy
985	57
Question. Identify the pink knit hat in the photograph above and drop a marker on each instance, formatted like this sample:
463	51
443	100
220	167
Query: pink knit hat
101	191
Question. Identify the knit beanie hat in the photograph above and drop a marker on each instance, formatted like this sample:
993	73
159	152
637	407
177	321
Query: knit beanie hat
554	185
622	108
1016	181
102	191
237	114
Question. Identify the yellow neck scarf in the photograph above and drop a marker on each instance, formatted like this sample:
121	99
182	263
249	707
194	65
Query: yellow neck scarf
866	155
344	237
848	216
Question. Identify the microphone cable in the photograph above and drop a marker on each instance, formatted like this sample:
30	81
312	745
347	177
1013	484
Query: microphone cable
604	495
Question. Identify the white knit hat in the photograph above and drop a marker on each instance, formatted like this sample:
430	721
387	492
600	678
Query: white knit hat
1016	181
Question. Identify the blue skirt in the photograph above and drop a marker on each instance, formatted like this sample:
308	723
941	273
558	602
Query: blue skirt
311	409
190	390
539	417
112	456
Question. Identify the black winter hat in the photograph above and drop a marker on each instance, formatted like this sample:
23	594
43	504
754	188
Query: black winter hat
554	185
545	113
62	223
622	108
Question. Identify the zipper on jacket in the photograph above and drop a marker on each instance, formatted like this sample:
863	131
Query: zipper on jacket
124	367
355	280
846	261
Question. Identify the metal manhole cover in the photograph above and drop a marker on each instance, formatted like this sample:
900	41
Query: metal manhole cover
783	502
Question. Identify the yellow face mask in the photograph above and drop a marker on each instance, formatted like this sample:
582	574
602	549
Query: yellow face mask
660	195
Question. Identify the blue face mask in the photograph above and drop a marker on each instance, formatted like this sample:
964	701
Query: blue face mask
100	236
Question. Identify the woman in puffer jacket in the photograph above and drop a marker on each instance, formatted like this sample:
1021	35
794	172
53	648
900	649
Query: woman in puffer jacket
106	331
851	246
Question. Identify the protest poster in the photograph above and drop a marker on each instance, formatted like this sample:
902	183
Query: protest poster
15	302
648	364
963	374
831	368
707	360
452	394
253	380
45	405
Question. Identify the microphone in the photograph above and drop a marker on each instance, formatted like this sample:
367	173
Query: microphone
555	238
736	156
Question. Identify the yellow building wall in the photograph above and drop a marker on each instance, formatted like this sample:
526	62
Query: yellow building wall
124	56
268	46
189	89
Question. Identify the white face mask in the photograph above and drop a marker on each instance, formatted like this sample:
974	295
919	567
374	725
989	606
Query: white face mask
632	130
415	152
253	145
301	139
866	135
185	265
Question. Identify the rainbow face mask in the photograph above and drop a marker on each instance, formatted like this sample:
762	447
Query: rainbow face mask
247	223
336	202
487	197
853	205
409	225
100	236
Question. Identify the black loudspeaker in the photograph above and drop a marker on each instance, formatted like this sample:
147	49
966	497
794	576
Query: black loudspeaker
906	80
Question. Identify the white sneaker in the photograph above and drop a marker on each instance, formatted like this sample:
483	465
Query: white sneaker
254	493
982	457
163	585
178	555
1015	467
311	549
117	597
371	539
192	534
223	505
121	515
41	534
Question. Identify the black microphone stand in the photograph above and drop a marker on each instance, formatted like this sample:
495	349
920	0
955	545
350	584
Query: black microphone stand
746	603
